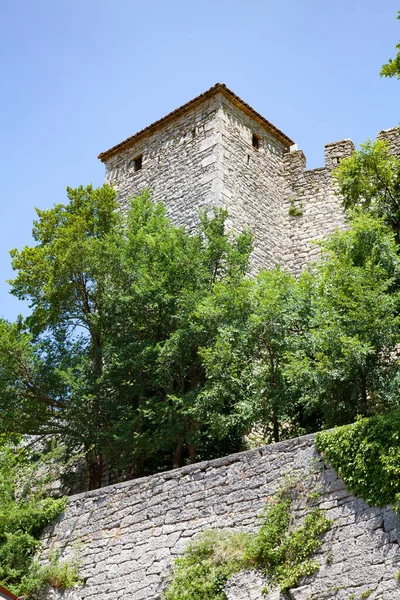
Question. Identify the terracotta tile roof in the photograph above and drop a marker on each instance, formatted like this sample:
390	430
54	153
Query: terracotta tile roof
7	593
217	88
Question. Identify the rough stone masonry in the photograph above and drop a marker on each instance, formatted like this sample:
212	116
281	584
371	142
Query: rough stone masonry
127	535
218	151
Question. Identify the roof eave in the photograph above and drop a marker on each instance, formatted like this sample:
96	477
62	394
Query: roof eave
217	88
7	593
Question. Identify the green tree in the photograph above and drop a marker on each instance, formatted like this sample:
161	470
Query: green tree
155	368
297	356
147	346
246	362
346	362
108	356
392	67
370	179
58	353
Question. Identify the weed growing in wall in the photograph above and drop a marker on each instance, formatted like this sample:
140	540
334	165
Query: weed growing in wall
366	455
57	574
294	209
282	549
203	570
284	553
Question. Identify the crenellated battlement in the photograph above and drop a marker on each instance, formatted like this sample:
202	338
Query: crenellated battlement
337	151
295	162
392	136
310	200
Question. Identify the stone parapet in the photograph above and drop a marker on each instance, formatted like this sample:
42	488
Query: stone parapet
392	136
337	151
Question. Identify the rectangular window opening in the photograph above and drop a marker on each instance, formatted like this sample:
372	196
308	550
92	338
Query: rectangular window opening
137	162
256	141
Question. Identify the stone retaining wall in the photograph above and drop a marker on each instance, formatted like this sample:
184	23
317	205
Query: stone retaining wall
127	535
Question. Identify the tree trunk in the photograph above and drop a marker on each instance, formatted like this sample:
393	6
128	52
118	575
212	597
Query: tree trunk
364	395
191	446
177	454
275	424
192	452
96	466
135	469
97	354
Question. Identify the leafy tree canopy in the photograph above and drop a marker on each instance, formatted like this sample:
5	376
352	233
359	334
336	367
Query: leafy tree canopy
346	363
297	356
392	67
370	179
148	346
109	355
245	363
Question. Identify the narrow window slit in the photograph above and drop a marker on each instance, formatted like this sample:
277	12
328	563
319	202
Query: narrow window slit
137	162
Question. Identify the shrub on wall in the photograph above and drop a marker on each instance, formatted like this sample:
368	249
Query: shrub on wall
282	549
366	455
25	509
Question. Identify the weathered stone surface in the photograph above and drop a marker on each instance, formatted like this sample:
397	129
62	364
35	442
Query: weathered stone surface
205	158
249	585
313	193
52	594
127	535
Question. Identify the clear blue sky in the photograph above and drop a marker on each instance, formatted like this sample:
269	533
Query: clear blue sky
79	76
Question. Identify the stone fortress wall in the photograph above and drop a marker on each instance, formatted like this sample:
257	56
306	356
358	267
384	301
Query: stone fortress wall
204	158
313	192
202	155
251	187
127	535
180	165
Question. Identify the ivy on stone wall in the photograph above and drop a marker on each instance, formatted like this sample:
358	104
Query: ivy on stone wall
366	455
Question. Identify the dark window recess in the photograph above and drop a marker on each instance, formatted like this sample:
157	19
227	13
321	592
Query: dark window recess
137	162
256	141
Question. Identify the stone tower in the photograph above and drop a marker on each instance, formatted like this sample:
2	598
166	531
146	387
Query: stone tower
218	151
